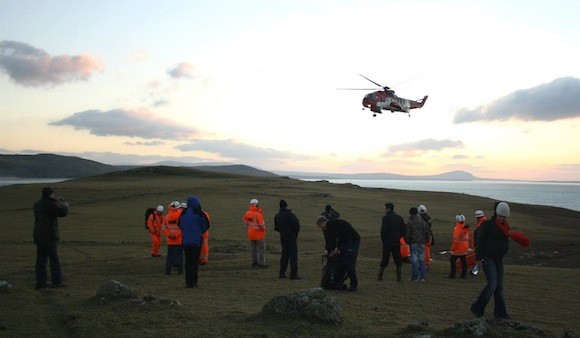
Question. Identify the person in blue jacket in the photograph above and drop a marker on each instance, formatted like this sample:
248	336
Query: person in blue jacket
193	223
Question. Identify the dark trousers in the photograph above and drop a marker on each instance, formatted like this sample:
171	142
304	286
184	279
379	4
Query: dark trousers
289	253
493	269
349	252
453	261
45	253
387	251
174	258
191	265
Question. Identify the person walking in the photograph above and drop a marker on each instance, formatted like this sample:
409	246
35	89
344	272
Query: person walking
416	236
459	246
492	243
173	238
288	225
46	236
256	230
343	239
193	223
479	219
422	209
392	230
154	224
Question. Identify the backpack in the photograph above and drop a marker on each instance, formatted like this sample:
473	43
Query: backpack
148	213
333	273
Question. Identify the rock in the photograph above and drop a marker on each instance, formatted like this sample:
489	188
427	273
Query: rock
475	327
310	304
569	334
113	290
495	327
5	287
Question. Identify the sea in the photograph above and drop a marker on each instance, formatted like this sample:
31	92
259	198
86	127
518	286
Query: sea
557	194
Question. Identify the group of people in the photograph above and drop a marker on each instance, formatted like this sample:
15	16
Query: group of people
186	225
186	229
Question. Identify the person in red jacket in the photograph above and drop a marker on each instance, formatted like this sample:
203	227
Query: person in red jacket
256	229
459	246
154	223
172	235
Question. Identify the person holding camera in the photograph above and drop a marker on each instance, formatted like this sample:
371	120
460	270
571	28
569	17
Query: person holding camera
47	210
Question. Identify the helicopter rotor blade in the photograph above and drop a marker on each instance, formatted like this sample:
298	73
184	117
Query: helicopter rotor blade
356	88
384	87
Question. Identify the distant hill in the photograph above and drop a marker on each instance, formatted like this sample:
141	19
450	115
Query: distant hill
51	166
457	175
58	166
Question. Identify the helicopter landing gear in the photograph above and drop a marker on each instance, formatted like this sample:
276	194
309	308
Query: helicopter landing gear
374	115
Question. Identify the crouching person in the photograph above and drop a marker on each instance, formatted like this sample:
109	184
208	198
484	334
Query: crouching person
344	239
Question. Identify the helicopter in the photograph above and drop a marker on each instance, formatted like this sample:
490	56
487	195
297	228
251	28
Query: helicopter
386	99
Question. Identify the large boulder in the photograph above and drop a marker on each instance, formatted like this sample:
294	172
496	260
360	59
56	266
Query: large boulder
310	304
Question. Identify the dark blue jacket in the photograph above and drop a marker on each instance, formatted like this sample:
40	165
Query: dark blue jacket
285	222
46	213
193	223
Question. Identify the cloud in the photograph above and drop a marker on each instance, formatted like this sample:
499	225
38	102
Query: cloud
139	56
459	157
182	70
420	147
33	67
131	123
559	99
232	149
148	144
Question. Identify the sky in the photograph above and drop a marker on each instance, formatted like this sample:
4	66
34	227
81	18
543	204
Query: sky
261	83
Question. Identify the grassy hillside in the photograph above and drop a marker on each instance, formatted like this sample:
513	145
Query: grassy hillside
50	166
103	238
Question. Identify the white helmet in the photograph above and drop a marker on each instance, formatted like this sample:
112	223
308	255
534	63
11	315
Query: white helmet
175	204
254	201
422	209
479	214
160	208
460	218
183	205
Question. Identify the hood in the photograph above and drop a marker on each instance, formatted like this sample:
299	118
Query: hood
193	202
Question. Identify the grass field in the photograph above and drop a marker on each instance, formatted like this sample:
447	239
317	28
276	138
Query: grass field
103	239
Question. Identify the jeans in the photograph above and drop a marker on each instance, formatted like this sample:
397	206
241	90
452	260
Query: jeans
349	252
174	258
289	253
418	261
44	253
494	270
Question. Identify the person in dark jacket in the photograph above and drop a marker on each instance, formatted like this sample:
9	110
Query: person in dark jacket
491	245
343	239
193	223
47	210
288	225
416	236
392	229
329	213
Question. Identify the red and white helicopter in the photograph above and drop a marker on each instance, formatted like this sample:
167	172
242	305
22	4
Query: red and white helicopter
387	100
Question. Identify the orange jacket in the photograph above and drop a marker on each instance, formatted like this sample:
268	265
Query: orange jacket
154	222
254	220
460	244
170	229
405	249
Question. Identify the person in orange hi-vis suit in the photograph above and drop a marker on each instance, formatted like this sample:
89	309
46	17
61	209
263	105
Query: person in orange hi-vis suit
256	229
405	251
459	246
423	213
154	223
204	254
173	239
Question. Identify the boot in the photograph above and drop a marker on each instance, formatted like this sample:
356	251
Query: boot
399	271
381	273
